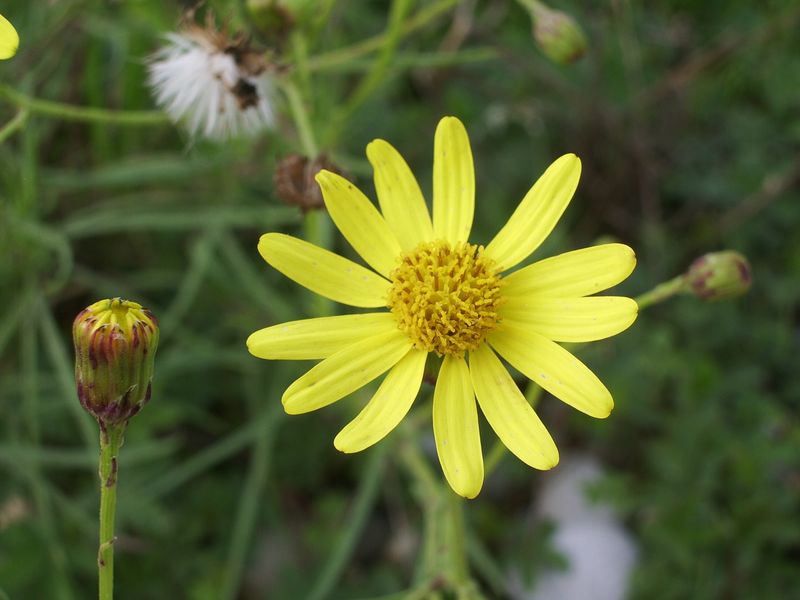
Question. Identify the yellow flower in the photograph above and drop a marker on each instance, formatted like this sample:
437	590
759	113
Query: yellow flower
9	39
447	296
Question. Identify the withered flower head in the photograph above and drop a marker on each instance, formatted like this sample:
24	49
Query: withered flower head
294	180
215	85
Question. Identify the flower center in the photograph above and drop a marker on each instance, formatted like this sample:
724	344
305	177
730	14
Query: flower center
445	298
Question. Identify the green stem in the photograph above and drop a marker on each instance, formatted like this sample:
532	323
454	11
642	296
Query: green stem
423	60
457	545
345	55
428	493
534	7
375	75
14	124
316	223
70	112
357	519
662	292
111	438
301	119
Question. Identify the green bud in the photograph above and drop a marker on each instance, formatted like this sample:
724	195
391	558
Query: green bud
273	19
558	35
115	346
719	275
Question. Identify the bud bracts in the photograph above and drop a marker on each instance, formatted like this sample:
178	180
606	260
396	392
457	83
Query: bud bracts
719	275
115	345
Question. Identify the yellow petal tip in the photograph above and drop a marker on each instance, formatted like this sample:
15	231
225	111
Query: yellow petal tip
469	492
603	414
323	176
342	444
250	343
290	406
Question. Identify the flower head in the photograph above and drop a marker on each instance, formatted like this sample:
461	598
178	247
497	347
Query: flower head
115	346
447	296
9	39
213	85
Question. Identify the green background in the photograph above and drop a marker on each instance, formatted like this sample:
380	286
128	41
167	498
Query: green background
686	116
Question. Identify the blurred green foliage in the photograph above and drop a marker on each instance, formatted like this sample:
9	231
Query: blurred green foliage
686	117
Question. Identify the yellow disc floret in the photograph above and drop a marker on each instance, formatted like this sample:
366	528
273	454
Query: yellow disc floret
445	298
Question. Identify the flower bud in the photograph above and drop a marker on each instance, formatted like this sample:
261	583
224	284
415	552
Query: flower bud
273	19
719	275
115	346
559	36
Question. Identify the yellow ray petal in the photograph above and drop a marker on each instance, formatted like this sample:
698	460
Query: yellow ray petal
453	182
455	427
316	338
399	195
508	412
577	273
554	369
537	214
324	272
571	319
360	222
9	39
387	407
345	371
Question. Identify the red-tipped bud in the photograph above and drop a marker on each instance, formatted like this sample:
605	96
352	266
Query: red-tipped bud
719	275
115	346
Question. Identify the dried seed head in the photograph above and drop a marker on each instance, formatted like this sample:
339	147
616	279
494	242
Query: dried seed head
215	85
294	180
115	346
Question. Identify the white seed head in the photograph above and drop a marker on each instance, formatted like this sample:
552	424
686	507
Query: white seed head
213	87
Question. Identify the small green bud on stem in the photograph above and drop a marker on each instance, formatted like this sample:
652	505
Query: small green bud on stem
558	35
719	276
713	276
115	346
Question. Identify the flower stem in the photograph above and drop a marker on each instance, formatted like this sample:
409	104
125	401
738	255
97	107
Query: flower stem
662	292
70	112
14	124
111	438
533	6
342	56
301	120
457	546
363	503
316	224
376	73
